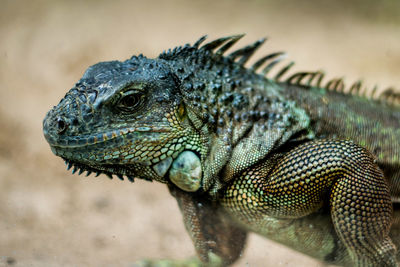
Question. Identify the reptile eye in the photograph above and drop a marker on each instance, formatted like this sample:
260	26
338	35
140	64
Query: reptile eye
130	101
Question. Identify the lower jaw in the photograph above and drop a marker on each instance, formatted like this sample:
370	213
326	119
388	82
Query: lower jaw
109	171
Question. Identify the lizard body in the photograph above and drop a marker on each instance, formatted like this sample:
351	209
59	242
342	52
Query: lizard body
298	161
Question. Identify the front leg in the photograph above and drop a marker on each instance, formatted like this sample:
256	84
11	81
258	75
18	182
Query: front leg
283	193
217	241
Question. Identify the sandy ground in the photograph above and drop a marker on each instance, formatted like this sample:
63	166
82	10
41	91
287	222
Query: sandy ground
49	217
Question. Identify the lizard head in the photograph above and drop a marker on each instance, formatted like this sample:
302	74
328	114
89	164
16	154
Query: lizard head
122	118
186	117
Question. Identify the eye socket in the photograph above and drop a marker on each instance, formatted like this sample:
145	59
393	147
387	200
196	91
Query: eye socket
130	101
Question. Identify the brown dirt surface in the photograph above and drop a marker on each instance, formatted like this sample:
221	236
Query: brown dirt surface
49	217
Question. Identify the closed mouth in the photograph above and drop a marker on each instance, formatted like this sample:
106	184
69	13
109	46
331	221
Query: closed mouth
89	140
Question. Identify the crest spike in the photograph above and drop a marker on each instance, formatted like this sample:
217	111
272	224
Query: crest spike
336	84
216	43
198	42
340	85
264	59
232	41
320	78
374	90
246	52
355	87
329	84
278	59
312	76
386	94
283	70
297	77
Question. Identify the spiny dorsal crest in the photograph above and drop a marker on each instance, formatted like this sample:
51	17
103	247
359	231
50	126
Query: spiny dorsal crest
306	79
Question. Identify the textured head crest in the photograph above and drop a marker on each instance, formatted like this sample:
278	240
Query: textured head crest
307	79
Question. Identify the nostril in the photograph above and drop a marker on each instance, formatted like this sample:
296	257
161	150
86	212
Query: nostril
61	126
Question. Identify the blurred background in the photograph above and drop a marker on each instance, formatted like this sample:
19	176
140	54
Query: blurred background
49	217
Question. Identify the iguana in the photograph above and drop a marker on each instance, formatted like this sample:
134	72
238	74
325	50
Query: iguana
301	161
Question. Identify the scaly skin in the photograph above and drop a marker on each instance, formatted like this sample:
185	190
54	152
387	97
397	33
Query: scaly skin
297	161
